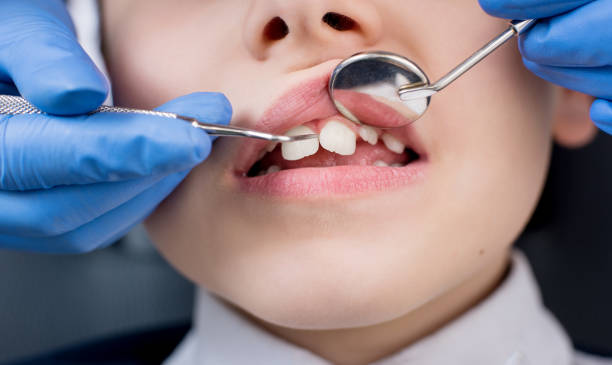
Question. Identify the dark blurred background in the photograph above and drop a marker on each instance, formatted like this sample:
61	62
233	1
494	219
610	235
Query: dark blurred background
568	243
50	302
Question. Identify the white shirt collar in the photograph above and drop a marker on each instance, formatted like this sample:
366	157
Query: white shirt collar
509	327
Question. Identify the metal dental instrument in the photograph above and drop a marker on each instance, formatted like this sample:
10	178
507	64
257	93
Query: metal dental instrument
14	105
386	90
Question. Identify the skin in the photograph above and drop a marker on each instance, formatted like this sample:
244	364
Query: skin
356	278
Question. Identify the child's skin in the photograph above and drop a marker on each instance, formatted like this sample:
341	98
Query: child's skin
351	277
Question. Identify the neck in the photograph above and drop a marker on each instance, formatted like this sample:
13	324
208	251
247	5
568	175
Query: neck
363	345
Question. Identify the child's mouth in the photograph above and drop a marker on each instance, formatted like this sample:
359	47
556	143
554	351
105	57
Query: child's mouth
341	143
346	160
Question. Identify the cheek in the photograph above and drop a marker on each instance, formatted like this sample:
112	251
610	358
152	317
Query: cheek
154	58
491	132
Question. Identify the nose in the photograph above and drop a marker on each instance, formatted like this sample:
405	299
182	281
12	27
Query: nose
310	30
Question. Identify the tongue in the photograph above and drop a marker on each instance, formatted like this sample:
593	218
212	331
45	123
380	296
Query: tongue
365	154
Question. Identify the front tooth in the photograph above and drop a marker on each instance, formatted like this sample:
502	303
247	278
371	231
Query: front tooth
368	134
271	146
393	143
337	137
297	150
380	163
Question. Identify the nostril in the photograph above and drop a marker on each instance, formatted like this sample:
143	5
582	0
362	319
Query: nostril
339	22
276	29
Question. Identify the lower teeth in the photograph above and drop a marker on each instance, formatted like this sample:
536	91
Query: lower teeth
274	168
380	163
390	142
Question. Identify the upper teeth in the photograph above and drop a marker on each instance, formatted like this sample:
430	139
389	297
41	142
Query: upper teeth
337	137
393	143
368	134
292	151
270	147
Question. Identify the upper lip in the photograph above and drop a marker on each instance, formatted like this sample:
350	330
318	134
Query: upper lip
308	100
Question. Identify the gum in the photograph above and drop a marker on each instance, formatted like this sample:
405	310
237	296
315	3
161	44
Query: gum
365	155
317	125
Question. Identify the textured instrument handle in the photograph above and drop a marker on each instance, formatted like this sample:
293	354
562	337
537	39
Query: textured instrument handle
15	105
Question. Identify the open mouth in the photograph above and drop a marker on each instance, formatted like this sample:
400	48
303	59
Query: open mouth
346	159
340	143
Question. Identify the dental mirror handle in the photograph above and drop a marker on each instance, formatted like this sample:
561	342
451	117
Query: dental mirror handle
516	27
14	105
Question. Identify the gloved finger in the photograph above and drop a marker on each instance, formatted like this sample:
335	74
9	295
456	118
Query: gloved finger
570	40
596	81
39	53
42	151
529	9
95	234
208	107
601	114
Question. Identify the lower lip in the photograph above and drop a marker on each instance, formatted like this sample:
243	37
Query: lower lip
333	181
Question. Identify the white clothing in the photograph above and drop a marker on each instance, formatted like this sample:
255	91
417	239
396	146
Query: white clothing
509	327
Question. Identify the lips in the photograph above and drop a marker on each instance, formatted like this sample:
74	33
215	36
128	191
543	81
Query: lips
309	102
375	111
306	102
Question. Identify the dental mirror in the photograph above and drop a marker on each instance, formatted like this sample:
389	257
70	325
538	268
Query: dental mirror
386	90
365	87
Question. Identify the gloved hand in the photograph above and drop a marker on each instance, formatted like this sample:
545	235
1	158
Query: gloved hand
571	46
73	184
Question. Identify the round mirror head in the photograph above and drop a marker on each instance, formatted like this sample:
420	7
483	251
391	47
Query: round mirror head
364	88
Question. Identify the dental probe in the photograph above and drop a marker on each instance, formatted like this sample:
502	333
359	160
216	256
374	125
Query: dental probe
409	92
371	86
14	105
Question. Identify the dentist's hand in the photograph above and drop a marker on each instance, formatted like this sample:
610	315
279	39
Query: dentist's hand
73	184
571	46
41	59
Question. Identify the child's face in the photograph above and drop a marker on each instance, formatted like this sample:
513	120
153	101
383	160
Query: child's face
318	249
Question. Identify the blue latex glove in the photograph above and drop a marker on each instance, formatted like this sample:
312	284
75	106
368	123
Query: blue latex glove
73	184
571	46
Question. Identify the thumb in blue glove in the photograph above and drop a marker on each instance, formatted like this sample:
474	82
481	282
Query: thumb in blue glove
41	59
601	114
570	45
77	184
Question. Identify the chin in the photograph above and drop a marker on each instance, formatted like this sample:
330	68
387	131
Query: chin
310	305
322	285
